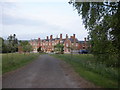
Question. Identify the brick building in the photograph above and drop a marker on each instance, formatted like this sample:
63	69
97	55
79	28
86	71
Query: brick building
47	45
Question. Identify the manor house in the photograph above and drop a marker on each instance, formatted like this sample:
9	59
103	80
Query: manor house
47	45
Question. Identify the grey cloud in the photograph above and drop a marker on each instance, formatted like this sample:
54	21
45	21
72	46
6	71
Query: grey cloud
9	20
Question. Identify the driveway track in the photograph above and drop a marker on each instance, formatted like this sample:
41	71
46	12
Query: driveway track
45	72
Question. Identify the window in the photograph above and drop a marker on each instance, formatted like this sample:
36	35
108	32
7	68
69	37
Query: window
61	41
34	44
52	43
83	47
66	44
67	50
76	44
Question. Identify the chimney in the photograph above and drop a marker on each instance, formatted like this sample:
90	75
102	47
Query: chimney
38	42
61	36
85	39
47	38
73	36
38	39
66	36
50	37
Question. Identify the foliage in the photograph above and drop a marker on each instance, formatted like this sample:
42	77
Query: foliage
26	47
10	45
1	41
59	48
102	19
86	66
39	49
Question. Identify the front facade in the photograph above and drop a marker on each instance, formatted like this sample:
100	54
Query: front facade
47	45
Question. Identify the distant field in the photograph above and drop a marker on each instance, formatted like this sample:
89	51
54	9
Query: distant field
85	66
13	61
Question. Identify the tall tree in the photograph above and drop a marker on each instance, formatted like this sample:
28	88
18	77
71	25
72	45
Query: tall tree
12	43
102	20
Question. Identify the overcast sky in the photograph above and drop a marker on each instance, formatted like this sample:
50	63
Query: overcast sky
30	19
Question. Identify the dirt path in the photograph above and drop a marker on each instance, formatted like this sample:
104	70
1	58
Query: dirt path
45	72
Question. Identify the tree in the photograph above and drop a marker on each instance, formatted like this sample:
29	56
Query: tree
102	20
71	48
1	44
26	47
8	46
39	49
12	43
59	48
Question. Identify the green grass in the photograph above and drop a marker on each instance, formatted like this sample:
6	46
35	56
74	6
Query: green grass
86	67
0	64
14	61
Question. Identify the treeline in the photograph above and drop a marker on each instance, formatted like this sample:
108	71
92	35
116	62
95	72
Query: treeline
102	20
12	44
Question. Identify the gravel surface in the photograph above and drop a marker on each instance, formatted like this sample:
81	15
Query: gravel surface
45	72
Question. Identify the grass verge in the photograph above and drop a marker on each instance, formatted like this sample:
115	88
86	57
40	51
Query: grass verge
13	61
86	67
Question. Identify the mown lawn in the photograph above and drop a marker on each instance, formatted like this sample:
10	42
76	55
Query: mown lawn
99	74
13	61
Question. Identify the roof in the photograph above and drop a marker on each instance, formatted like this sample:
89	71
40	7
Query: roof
63	40
72	40
51	40
81	42
46	39
57	38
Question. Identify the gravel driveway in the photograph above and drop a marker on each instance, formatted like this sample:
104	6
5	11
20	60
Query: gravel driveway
45	72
